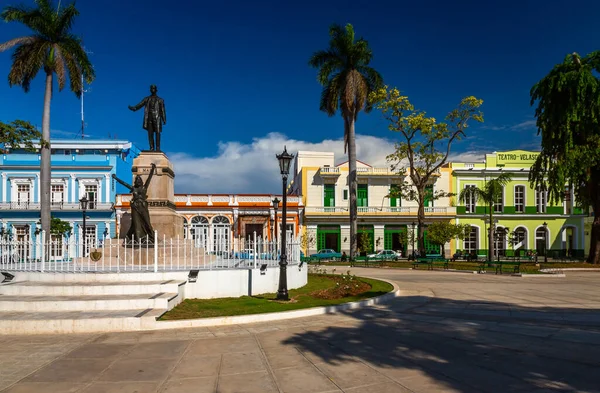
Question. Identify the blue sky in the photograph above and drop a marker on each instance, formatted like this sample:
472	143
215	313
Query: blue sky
236	83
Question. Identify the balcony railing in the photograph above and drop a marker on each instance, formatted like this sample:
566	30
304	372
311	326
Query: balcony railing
329	171
375	172
384	209
54	206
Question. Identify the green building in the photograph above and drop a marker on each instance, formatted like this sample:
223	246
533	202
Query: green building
525	220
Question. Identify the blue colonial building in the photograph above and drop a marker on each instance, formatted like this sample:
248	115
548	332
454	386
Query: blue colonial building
80	167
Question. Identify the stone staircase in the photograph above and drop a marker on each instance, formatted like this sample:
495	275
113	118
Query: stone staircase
44	303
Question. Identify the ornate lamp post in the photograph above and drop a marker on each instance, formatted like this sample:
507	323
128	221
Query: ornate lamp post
545	224
285	160
275	207
83	204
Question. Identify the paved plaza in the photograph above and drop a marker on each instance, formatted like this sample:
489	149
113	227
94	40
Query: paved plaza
448	332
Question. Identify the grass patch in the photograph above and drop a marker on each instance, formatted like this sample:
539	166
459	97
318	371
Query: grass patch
308	296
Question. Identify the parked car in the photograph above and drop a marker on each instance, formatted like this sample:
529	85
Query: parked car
244	254
385	255
327	253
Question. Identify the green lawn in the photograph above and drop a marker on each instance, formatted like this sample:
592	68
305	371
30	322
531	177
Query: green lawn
207	308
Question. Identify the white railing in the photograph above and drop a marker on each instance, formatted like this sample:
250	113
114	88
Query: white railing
158	254
330	170
374	171
384	209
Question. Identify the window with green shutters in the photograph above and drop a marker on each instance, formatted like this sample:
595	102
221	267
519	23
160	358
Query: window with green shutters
429	195
362	195
329	195
395	201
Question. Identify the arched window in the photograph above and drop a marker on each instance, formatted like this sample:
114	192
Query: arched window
520	238
221	228
472	240
500	241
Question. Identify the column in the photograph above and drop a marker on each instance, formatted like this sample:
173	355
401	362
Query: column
36	188
107	226
378	233
73	187
107	189
4	186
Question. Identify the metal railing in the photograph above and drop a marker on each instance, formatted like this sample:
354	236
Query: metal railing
53	206
147	254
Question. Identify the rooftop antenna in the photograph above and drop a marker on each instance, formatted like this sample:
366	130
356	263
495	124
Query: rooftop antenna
82	92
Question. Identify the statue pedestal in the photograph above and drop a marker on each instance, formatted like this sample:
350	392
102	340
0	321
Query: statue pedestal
161	193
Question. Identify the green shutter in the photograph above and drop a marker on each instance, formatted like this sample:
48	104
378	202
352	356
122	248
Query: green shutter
362	195
329	195
429	195
394	200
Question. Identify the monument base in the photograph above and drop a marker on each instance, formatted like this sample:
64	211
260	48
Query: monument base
161	206
166	222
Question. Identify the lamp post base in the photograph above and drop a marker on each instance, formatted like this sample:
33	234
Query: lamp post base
283	295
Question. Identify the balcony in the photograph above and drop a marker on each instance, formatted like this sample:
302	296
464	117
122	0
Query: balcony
62	206
412	210
329	171
375	172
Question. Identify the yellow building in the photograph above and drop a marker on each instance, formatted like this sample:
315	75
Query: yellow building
323	185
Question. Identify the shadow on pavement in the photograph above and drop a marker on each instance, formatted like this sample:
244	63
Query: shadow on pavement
467	347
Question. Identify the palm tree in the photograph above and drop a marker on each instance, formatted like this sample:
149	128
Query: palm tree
54	49
489	194
347	80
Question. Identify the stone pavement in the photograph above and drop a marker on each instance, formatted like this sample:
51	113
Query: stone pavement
447	333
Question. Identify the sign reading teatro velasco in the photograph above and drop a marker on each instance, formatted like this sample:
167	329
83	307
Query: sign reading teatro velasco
516	157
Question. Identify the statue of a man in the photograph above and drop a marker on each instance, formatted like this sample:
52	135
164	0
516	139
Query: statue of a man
155	116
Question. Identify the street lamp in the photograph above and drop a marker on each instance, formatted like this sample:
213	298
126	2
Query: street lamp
275	206
414	227
83	203
545	224
285	160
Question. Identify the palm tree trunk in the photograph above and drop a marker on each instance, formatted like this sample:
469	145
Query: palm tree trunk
491	235
45	160
352	186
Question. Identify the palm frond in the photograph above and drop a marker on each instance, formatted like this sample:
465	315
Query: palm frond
28	60
59	67
16	41
74	73
330	95
67	18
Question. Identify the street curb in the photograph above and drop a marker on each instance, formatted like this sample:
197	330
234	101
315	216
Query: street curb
548	275
571	269
277	316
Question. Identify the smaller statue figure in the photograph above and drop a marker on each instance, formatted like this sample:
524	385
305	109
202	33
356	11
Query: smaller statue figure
140	229
155	116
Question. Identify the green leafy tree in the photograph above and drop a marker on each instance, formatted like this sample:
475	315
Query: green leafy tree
488	195
424	147
442	232
365	245
347	80
18	133
58	227
54	49
568	119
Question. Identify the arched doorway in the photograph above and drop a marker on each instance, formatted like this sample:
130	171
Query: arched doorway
198	229
221	227
541	240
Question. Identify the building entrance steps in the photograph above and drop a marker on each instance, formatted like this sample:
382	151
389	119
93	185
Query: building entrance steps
85	303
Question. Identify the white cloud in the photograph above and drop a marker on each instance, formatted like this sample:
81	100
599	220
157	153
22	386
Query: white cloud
524	125
253	168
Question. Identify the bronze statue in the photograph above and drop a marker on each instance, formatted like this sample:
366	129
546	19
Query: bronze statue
140	229
155	116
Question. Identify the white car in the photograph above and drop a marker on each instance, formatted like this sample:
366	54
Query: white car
386	255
